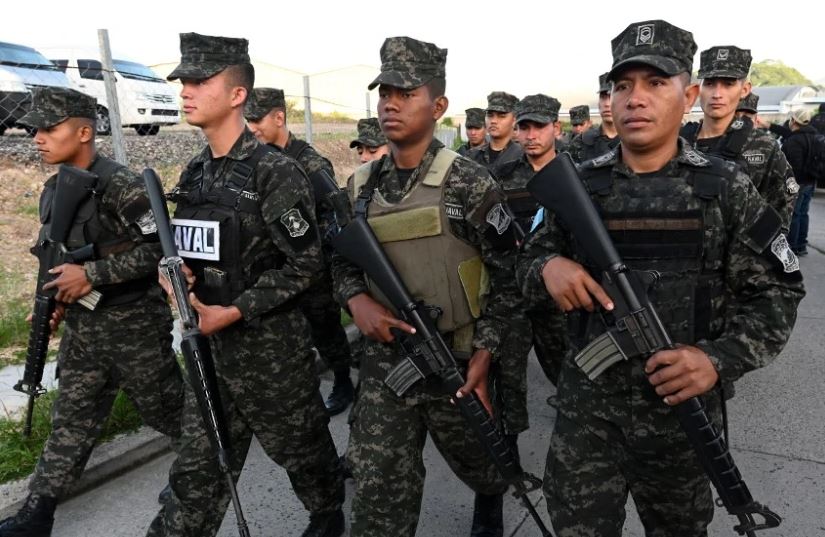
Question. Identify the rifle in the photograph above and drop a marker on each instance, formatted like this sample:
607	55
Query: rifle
197	354
72	188
639	332
426	354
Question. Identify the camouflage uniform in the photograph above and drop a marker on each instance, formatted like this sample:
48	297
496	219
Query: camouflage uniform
125	342
475	120
264	363
757	152
613	435
497	101
590	144
388	432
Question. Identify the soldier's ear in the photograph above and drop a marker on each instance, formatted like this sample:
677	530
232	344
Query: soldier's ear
747	87
440	107
238	96
691	94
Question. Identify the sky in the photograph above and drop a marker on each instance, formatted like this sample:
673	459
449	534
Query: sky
525	47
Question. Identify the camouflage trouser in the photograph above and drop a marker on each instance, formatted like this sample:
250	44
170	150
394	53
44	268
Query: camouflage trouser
324	316
92	369
550	340
268	388
387	437
609	441
510	377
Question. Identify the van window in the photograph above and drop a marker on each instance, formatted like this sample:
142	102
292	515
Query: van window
91	69
135	71
61	64
17	56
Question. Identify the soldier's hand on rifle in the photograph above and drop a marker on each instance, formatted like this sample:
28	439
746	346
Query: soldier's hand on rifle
478	370
374	320
571	286
681	373
166	285
57	316
213	319
71	283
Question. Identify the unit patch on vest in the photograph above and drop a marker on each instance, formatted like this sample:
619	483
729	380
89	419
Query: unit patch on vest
754	158
792	185
147	223
197	239
695	158
250	195
456	212
294	223
782	250
737	124
498	218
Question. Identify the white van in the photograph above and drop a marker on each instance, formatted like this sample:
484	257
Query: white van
146	101
22	69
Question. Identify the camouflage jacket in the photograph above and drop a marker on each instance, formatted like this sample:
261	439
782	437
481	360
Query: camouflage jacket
472	193
590	144
483	155
760	287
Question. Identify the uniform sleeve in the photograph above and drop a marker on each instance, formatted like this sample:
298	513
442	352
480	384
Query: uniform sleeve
545	242
125	209
765	286
347	279
777	191
287	207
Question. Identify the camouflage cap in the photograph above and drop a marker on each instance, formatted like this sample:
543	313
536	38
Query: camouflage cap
408	63
203	56
500	101
53	105
369	133
724	62
604	83
748	103
579	114
656	43
475	118
539	108
262	101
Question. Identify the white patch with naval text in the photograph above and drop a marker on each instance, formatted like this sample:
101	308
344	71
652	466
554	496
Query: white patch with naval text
197	239
754	158
147	223
295	223
456	212
782	250
498	218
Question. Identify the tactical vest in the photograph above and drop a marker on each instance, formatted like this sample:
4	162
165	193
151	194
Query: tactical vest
211	226
730	145
596	144
521	202
676	227
319	179
438	268
88	228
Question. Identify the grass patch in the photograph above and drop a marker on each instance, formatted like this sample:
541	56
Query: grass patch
19	455
14	330
345	318
28	209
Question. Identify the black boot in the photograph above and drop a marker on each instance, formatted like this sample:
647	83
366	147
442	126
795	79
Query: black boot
342	393
488	516
35	518
325	525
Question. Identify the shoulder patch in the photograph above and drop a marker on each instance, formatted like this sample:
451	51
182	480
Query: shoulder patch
782	250
603	160
792	185
754	157
147	223
297	228
694	157
737	124
498	218
294	222
454	211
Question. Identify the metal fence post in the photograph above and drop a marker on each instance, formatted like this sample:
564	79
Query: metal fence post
307	110
369	107
111	96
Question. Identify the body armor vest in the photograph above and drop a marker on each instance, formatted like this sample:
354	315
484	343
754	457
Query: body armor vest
211	227
595	144
438	268
730	145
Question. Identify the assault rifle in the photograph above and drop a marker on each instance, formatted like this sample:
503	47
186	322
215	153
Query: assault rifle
194	345
426	353
639	333
72	188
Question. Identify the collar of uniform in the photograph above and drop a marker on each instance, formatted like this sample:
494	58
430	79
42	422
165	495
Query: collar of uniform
420	170
289	139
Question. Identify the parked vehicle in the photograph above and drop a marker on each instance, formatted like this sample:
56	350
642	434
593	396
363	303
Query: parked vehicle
146	101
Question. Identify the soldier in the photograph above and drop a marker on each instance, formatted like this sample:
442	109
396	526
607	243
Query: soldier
748	107
476	130
266	114
724	72
580	119
818	121
371	143
599	140
245	293
728	294
125	342
387	431
500	122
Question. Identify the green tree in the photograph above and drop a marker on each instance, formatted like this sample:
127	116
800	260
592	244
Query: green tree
776	73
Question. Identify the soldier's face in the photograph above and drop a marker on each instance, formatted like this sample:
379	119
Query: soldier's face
206	101
475	135
61	143
536	138
719	97
648	107
408	115
368	154
604	107
500	125
267	128
581	127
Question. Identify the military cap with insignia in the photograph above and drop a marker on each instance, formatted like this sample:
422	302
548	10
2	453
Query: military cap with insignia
748	103
408	63
204	56
53	105
540	108
475	118
262	101
369	133
655	43
579	114
724	62
604	83
500	101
